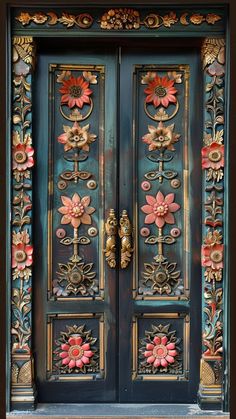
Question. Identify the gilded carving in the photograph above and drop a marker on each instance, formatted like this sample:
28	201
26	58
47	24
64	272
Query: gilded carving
111	230
120	19
125	233
75	352
160	351
83	20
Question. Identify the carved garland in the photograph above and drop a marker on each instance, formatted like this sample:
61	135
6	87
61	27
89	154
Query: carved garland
22	249
213	57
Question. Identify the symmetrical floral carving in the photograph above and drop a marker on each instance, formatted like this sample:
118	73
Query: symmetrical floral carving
213	57
120	19
22	248
83	20
75	352
160	351
111	233
125	233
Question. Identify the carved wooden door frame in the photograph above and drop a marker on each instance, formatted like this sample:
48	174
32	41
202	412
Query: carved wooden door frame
209	24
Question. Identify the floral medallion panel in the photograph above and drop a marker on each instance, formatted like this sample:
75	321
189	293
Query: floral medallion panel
75	347
162	144
160	346
75	177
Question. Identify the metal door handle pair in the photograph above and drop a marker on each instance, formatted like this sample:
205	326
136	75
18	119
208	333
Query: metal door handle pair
125	234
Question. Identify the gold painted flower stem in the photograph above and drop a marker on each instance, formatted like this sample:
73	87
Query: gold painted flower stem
76	246
160	246
161	167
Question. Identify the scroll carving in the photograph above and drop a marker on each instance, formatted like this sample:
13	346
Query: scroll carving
125	233
111	234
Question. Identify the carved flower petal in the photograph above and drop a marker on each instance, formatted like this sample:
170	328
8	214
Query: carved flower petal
169	198
149	346
66	219
90	210
89	354
75	222
148	353
63	354
173	353
164	363
63	210
72	341
86	219
169	218
86	347
85	201
76	198
66	200
157	340
159	197
164	340
174	207
151	359
62	138
150	199
85	360
78	340
65	347
72	363
170	346
66	361
148	209
157	363
79	363
170	359
150	218
160	221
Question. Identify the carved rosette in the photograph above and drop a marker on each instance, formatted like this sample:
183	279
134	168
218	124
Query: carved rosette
213	58
22	248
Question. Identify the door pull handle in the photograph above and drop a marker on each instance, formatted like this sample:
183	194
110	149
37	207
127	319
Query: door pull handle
111	230
125	233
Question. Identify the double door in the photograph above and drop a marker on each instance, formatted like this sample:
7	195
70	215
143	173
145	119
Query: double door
117	225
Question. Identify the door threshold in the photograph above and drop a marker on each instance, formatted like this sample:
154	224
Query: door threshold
116	410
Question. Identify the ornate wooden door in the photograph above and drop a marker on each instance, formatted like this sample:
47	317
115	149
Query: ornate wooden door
117	232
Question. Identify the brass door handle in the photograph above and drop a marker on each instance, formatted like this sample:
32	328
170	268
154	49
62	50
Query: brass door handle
125	233
111	233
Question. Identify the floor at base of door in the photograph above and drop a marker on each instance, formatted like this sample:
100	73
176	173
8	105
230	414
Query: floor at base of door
111	411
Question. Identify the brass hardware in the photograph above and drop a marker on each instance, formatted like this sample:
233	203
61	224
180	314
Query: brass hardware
111	232
125	233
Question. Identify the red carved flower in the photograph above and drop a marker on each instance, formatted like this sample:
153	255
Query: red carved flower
22	157
21	256
160	209
75	92
76	210
159	353
213	156
75	353
212	256
160	91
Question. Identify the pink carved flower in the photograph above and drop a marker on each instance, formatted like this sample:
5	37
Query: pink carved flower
22	157
161	91
75	353
76	210
75	92
160	209
212	256
213	156
159	353
21	256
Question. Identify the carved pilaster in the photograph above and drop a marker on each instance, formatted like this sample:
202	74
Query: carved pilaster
213	59
22	369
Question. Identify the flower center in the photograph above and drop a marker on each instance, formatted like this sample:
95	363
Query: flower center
160	351
20	256
216	256
160	209
75	278
75	352
76	210
160	277
20	156
160	91
75	91
215	155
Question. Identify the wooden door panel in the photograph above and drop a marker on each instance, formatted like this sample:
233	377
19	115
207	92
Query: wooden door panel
160	129
75	313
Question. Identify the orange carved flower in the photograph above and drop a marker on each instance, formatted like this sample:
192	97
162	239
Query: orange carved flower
212	256
76	136
75	91
76	210
22	157
213	156
75	353
161	91
160	353
21	256
160	209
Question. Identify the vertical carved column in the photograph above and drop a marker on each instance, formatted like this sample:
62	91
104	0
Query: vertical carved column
210	390
22	368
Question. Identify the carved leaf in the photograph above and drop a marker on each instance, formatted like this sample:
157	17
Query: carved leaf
67	20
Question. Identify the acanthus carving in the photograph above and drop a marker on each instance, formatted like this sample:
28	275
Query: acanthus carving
75	352
111	234
160	351
125	233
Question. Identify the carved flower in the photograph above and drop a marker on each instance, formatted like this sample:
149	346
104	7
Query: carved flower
160	353
76	210
213	156
91	78
22	157
160	91
76	136
75	92
24	18
212	256
160	137
75	353
39	18
21	256
120	19
160	209
197	19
